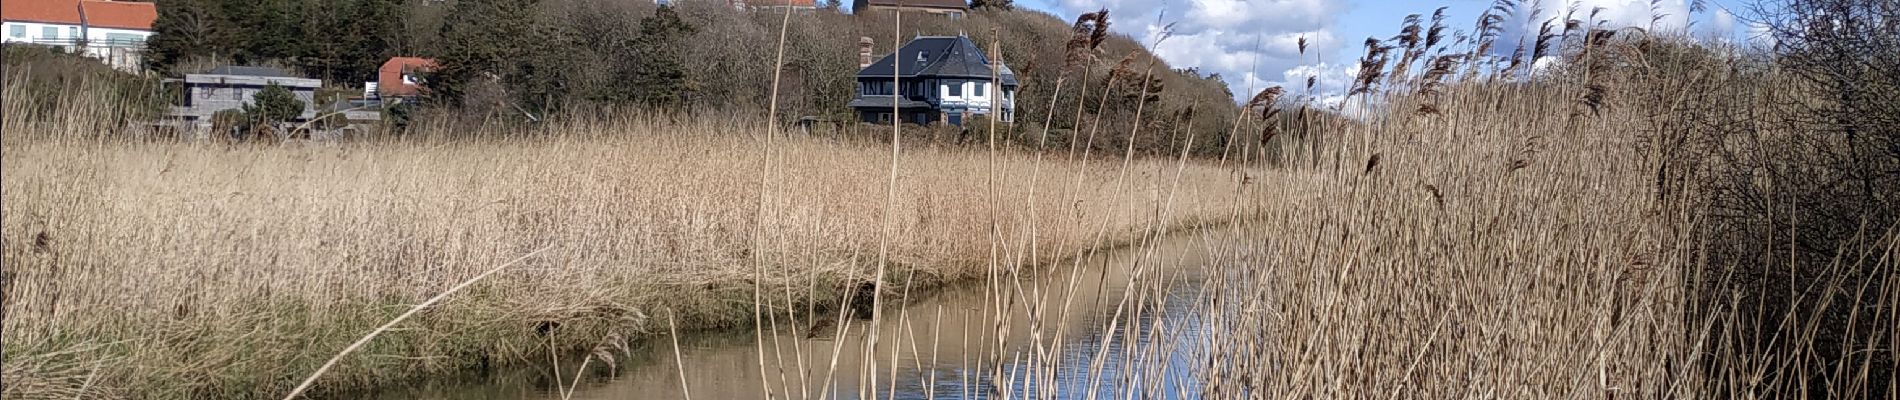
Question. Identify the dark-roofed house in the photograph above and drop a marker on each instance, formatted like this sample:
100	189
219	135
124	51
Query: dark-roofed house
951	8
231	87
939	79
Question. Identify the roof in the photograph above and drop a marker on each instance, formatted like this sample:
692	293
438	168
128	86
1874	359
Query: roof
938	56
960	4
119	14
397	64
45	11
782	3
389	81
245	70
104	14
885	102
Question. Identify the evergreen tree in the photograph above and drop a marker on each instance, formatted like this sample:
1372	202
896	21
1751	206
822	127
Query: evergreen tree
272	105
376	37
184	29
659	76
993	4
262	29
479	38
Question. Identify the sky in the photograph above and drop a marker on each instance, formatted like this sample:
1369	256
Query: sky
1253	44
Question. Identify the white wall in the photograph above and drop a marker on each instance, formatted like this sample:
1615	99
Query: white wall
35	32
120	48
968	97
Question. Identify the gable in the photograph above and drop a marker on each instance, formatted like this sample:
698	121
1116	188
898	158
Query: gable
119	14
937	56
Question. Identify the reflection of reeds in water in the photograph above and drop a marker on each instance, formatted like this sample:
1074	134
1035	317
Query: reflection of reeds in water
1468	256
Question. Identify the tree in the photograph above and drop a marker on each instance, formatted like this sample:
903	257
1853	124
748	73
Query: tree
659	74
1004	5
479	39
272	105
184	29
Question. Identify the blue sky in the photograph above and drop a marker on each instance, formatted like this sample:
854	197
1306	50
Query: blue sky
1253	41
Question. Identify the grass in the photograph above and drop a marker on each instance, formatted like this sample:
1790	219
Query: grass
198	270
1516	233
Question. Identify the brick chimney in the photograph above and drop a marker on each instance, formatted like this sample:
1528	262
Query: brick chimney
864	52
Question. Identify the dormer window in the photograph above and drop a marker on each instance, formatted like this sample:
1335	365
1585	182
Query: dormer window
921	57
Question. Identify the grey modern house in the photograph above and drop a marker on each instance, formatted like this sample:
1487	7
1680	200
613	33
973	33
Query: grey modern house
934	79
232	87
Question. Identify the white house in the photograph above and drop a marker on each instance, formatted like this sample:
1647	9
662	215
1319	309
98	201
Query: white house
945	79
111	31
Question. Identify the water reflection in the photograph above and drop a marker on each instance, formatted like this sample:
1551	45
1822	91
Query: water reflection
941	346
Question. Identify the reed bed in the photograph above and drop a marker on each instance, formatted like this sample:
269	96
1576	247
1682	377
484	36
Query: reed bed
179	270
1474	229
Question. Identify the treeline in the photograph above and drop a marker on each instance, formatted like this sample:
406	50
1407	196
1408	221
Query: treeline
530	60
339	41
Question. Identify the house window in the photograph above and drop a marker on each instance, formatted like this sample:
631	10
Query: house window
955	14
956	89
49	32
982	89
124	39
17	31
72	32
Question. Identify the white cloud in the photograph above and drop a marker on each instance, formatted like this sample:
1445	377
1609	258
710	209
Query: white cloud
1664	16
1329	79
1719	28
1761	35
1237	39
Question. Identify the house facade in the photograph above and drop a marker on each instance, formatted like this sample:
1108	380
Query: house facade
400	78
949	8
795	5
233	87
112	31
935	79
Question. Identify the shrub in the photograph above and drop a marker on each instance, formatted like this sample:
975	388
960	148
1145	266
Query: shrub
274	105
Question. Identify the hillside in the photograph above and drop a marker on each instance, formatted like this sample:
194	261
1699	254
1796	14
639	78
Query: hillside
511	58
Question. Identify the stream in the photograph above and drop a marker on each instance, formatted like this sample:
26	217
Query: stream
943	345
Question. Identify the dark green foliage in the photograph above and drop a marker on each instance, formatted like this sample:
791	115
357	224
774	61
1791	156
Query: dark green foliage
660	75
527	60
1004	5
479	41
185	29
272	105
338	40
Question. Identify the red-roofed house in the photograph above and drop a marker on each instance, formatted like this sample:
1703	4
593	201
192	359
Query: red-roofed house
402	76
113	31
775	4
950	8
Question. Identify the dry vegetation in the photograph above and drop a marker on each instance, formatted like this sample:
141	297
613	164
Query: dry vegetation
1591	230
